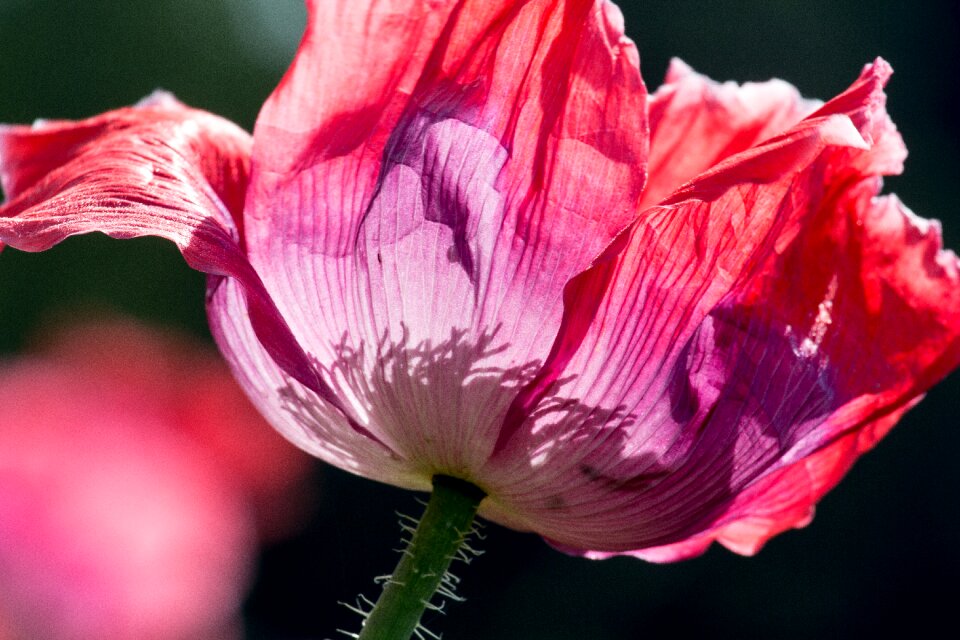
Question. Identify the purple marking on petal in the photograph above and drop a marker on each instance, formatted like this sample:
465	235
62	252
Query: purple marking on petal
439	168
741	401
744	376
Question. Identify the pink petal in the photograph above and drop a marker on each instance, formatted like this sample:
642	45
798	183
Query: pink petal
426	179
749	322
158	169
301	416
696	123
781	500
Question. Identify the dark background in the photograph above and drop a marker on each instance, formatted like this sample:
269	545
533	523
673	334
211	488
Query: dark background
881	554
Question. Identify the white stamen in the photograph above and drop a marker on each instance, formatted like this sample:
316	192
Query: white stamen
810	345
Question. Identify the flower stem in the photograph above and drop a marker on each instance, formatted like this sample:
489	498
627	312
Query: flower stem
445	525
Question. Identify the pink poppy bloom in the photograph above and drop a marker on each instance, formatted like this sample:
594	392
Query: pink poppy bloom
463	240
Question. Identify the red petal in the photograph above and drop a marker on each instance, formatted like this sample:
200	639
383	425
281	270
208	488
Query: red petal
159	169
891	274
750	322
781	500
423	177
696	123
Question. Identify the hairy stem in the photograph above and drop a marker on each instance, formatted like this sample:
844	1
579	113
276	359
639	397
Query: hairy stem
442	530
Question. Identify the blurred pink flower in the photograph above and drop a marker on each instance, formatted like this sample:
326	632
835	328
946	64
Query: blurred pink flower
125	514
192	390
113	527
464	241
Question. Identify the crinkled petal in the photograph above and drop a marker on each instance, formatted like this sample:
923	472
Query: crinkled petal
158	169
752	320
779	501
158	165
426	179
696	123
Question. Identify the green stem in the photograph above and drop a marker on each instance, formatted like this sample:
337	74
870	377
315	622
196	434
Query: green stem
443	528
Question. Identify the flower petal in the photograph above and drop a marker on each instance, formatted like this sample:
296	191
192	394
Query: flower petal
899	277
779	501
158	168
298	412
752	320
696	123
425	181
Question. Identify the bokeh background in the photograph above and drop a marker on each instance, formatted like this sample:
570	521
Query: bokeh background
881	554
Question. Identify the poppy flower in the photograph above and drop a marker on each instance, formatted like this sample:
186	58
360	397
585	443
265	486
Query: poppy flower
116	524
464	241
133	503
191	391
